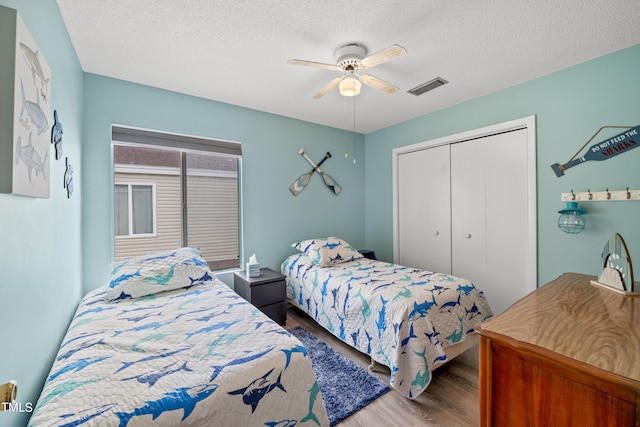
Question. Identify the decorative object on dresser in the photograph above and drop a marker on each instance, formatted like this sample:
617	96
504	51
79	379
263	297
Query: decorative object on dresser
568	354
617	270
266	292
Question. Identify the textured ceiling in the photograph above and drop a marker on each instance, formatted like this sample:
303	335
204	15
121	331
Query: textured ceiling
236	51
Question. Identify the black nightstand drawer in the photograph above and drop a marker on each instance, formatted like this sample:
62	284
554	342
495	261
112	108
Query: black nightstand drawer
260	295
277	312
266	292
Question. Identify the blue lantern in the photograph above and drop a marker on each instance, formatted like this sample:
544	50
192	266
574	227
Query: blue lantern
571	219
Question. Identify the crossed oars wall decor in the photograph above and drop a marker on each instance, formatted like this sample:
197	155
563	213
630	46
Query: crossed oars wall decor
302	181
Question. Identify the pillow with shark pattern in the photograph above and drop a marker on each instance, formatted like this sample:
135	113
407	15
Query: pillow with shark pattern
157	272
326	251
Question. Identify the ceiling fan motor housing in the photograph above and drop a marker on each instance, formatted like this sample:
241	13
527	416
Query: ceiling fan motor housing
348	57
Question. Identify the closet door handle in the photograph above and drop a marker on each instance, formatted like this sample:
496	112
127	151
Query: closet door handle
436	233
467	236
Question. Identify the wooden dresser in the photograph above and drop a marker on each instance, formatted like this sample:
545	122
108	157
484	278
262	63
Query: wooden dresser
568	354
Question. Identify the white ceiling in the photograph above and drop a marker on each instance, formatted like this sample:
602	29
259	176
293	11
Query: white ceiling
236	51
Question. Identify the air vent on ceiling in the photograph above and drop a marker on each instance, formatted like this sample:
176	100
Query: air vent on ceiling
426	87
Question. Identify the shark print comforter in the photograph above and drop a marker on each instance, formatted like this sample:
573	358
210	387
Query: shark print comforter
196	357
402	317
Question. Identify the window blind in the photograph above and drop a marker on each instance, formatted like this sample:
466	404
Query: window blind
186	142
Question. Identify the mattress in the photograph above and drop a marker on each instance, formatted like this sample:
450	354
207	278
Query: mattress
404	318
196	356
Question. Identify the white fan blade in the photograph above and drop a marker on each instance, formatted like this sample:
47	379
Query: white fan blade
388	54
378	84
312	64
333	83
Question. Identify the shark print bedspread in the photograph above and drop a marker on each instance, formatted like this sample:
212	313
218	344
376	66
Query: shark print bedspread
196	357
402	317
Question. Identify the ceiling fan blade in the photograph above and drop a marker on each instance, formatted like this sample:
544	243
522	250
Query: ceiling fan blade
378	84
333	83
386	55
312	64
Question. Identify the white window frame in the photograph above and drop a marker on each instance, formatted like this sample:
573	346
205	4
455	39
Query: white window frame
131	235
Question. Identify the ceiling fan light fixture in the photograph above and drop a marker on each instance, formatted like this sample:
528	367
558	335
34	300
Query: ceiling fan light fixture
350	86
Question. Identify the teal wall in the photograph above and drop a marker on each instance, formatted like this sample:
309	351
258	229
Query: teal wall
570	106
40	239
273	217
54	250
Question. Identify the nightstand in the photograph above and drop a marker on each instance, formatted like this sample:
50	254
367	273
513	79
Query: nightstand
368	253
266	292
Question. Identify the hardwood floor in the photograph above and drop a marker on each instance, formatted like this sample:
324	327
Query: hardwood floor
451	400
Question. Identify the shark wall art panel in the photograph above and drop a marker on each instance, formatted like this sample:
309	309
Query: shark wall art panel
25	137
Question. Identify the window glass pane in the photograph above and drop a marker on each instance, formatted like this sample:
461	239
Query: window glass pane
171	207
154	178
212	208
121	200
142	212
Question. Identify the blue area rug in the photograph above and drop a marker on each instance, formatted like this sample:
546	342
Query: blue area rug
346	387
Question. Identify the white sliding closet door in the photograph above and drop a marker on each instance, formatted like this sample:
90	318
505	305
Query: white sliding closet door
465	205
468	203
424	209
490	222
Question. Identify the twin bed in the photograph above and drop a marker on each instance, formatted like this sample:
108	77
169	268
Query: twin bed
166	343
407	319
195	356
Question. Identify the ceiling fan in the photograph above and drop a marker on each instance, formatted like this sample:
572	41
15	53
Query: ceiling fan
350	59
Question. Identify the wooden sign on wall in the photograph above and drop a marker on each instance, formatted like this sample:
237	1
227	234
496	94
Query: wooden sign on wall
621	143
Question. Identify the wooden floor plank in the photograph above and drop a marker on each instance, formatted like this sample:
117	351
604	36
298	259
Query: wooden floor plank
451	400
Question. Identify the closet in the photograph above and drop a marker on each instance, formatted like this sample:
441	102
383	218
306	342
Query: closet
465	205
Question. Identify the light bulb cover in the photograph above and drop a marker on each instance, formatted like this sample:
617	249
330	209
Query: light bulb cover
350	86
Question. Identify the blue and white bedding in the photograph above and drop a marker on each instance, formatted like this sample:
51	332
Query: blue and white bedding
402	317
197	356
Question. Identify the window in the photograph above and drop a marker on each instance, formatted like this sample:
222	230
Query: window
174	190
135	209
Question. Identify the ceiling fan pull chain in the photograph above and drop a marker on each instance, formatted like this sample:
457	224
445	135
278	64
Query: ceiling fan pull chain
354	130
346	140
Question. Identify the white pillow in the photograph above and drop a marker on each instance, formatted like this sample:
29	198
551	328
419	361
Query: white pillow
157	272
326	251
